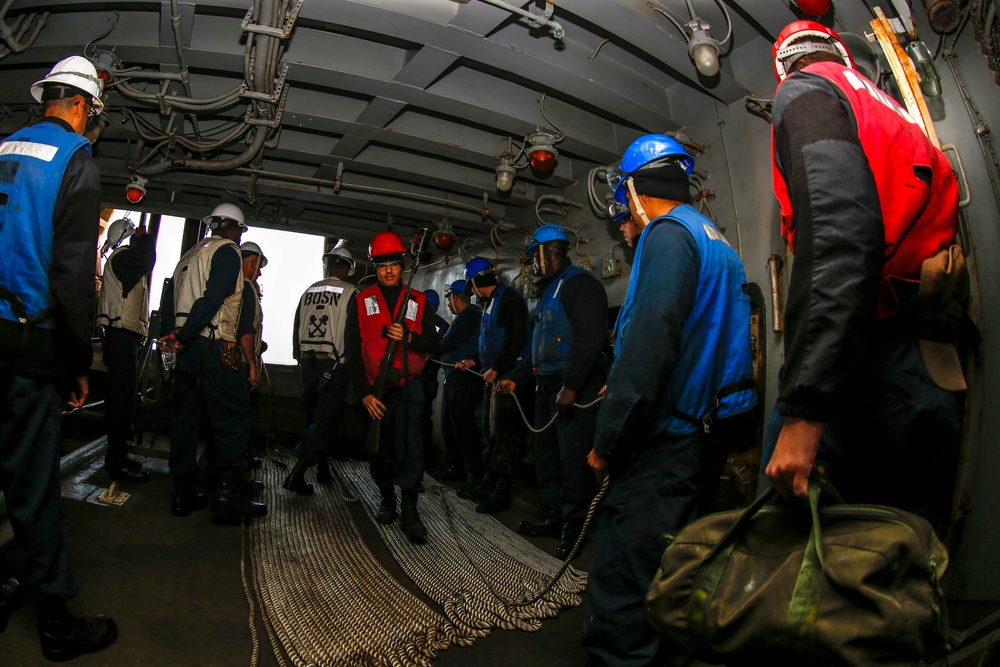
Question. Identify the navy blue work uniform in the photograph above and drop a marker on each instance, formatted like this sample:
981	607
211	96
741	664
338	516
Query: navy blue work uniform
317	344
120	347
462	394
504	338
51	199
203	385
891	435
568	339
683	342
400	460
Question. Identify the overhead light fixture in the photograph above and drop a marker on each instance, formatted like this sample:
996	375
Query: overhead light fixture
505	174
105	62
704	48
444	237
136	190
541	153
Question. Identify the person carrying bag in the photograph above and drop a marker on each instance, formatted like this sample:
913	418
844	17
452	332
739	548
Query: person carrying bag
834	584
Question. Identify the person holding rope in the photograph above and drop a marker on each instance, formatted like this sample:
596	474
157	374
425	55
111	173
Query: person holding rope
204	321
371	323
682	364
503	341
462	395
568	339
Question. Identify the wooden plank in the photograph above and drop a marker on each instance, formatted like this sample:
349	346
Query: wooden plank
906	75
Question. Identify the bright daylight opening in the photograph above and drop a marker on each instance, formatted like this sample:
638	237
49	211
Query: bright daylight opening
294	261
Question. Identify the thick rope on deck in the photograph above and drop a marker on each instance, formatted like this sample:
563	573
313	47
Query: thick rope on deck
480	572
324	599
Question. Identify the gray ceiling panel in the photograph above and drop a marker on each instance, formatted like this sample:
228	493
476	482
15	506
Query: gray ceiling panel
415	100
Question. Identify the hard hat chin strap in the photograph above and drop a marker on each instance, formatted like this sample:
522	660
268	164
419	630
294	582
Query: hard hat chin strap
639	210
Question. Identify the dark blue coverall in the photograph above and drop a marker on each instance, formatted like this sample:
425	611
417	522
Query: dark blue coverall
121	348
660	465
323	408
462	395
891	436
203	385
401	455
35	375
566	483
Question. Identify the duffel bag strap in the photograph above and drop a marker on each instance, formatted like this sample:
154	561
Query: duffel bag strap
801	615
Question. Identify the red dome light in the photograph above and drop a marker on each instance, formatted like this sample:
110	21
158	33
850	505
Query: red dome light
542	160
444	239
813	7
134	193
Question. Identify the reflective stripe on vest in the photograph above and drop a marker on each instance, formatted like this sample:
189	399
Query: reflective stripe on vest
33	162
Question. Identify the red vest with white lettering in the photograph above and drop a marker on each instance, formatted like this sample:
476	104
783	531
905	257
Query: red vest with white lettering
374	318
919	220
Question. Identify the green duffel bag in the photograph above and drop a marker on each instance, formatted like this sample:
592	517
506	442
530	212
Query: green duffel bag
830	585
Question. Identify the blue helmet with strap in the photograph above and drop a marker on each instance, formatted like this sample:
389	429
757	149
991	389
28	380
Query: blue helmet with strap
433	299
544	234
648	152
477	265
458	287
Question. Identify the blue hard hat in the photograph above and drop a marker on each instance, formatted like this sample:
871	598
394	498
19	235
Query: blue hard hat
544	234
648	152
433	299
477	265
457	287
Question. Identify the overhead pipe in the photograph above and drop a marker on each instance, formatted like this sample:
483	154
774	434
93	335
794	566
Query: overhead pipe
175	22
774	265
374	189
537	20
33	23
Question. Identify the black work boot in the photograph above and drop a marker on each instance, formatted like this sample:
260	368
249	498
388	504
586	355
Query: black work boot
570	532
550	526
230	504
11	597
478	489
251	486
409	518
65	636
499	500
185	499
387	509
296	480
323	473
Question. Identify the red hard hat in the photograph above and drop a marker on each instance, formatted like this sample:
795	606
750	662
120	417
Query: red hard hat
824	39
385	243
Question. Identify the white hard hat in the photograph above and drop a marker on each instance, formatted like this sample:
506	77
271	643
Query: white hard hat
344	254
118	231
251	248
223	213
78	72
